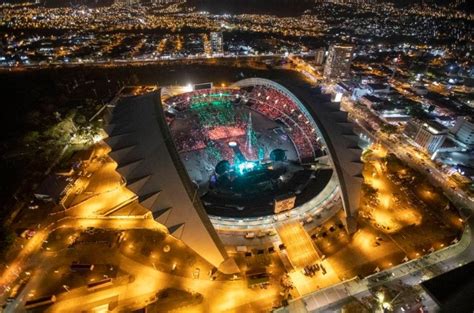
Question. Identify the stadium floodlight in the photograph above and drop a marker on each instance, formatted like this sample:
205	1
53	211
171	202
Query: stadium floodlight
97	138
188	88
245	167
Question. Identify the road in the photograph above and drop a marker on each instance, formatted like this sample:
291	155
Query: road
145	61
410	273
398	145
218	295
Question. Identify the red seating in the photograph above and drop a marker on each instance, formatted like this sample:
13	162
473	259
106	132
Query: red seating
275	105
265	100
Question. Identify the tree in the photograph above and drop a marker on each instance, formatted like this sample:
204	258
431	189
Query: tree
134	80
33	118
7	238
31	137
369	190
80	119
389	128
417	111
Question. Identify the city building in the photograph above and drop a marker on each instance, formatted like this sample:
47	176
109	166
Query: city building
338	62
372	102
319	56
456	284
376	89
357	2
463	130
419	89
126	2
428	135
217	43
165	1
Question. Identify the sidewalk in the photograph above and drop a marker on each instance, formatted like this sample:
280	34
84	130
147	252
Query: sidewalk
319	300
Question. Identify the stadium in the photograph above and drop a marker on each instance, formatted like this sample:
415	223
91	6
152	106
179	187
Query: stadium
245	147
249	157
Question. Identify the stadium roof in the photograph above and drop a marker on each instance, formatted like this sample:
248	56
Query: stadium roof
146	157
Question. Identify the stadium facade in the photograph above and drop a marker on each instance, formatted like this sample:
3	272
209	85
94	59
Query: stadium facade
146	156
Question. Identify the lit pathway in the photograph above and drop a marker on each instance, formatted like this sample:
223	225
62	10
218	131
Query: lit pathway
412	273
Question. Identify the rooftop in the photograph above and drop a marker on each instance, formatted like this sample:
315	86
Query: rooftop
453	290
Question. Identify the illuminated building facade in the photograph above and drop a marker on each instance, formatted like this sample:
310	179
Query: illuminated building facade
464	130
217	43
338	62
428	135
319	56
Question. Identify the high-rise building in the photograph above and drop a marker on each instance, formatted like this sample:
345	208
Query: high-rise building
338	62
319	56
217	43
428	135
464	130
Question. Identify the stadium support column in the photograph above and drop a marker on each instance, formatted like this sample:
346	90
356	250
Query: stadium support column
229	266
350	224
350	197
350	183
350	200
